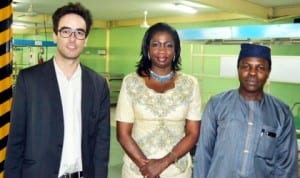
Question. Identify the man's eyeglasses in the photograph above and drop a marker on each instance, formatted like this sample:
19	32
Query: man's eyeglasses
67	33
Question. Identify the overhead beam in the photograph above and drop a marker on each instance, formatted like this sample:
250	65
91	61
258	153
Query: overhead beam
291	11
209	17
240	7
182	19
100	24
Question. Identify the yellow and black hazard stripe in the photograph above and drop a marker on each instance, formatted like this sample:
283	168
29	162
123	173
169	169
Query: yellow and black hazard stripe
5	75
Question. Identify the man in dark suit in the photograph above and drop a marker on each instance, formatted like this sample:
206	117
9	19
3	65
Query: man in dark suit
60	119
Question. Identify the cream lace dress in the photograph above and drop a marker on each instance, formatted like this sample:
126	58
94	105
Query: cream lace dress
158	120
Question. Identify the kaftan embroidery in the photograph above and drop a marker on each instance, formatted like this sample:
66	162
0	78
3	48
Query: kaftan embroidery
159	118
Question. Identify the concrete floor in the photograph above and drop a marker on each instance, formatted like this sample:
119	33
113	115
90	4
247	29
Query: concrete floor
116	152
116	155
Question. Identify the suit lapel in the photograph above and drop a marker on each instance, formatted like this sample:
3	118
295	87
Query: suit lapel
57	121
87	97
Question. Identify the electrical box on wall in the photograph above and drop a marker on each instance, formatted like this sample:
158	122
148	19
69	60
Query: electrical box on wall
101	52
94	51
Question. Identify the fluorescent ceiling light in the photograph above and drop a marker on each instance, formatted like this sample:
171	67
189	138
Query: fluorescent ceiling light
185	8
18	26
193	4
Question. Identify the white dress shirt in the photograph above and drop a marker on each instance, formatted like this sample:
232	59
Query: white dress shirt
70	92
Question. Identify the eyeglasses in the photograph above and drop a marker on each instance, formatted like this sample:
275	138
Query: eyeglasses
66	32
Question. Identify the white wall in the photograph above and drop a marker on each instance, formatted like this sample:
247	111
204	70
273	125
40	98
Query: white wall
284	68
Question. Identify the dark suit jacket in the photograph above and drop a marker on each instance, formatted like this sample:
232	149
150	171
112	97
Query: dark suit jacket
37	126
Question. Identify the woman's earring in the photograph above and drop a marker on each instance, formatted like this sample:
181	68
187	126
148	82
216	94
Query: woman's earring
174	58
149	57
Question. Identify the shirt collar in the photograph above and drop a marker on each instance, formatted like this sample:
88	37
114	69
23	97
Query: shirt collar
59	72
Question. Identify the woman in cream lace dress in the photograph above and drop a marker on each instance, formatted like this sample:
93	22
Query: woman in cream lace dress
158	112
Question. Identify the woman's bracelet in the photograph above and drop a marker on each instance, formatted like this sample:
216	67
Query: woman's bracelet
174	157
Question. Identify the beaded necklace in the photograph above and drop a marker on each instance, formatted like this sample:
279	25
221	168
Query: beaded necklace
161	78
